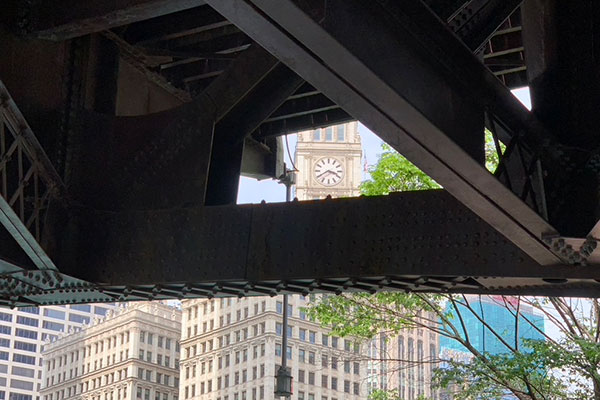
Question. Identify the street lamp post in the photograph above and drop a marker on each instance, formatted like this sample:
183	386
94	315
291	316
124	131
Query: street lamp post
283	385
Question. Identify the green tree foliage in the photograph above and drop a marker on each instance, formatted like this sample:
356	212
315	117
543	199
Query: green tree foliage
527	369
394	173
568	368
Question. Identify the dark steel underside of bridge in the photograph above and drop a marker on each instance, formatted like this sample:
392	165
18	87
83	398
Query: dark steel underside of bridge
125	125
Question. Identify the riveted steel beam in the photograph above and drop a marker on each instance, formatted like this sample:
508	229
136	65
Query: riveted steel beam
389	88
73	18
477	20
414	241
185	22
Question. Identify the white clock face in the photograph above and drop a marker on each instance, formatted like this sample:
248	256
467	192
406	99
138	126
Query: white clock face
329	171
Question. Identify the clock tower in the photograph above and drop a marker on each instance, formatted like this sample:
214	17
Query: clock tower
329	162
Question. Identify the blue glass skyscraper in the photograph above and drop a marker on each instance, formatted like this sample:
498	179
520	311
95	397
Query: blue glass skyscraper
500	318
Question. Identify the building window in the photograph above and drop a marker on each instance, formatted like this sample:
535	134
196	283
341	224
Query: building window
278	349
334	383
302	314
80	319
27	321
142	336
81	307
21	358
311	357
301	376
48	312
347	366
329	134
25	346
279	307
312	336
26	372
341	133
347	386
334	342
278	328
5	317
301	355
324	381
100	310
311	378
317	135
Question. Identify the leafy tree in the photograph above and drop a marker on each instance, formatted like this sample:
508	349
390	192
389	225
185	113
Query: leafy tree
565	368
394	173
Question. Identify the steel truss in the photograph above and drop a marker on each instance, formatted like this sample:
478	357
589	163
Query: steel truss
149	214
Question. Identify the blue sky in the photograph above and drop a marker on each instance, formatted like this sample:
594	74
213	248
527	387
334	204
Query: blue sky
253	191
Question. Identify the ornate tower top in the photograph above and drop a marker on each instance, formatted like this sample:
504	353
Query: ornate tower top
329	162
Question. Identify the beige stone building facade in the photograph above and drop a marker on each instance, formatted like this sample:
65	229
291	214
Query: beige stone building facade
404	363
232	347
130	354
329	162
23	332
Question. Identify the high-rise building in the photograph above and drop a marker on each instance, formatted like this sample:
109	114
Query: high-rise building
404	362
329	162
500	318
23	332
131	354
231	349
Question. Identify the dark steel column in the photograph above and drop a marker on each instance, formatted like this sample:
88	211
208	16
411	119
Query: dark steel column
562	43
228	142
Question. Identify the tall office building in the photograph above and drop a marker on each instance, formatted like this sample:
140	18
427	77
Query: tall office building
499	318
23	332
404	362
231	349
132	354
